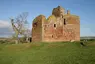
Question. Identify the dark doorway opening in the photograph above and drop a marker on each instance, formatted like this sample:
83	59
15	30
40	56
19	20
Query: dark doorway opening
54	25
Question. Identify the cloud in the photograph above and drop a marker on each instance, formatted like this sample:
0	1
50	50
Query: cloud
5	28
4	24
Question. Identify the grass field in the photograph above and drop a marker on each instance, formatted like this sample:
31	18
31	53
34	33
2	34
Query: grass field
47	53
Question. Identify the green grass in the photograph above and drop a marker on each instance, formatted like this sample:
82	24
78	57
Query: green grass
47	53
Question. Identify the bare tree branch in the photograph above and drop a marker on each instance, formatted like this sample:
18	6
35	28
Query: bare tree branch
18	24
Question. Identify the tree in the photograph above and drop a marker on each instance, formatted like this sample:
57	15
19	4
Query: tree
18	25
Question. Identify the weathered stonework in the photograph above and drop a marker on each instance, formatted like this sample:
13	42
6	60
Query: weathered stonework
60	26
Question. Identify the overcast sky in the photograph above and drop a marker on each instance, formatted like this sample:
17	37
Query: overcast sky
83	8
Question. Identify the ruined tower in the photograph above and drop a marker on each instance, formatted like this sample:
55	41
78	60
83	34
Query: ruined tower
59	26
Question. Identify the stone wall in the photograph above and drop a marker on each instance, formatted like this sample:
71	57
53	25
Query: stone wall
60	26
37	28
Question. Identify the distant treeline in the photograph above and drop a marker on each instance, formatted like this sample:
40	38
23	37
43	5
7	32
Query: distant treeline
12	41
87	39
22	40
91	38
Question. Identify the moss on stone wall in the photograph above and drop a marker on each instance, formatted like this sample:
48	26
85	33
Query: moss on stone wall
52	17
39	18
66	16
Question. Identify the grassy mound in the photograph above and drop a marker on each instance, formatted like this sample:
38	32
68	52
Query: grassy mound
47	53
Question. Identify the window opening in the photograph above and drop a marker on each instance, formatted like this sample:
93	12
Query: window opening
54	25
64	21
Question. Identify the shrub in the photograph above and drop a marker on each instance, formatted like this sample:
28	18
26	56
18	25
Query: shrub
3	41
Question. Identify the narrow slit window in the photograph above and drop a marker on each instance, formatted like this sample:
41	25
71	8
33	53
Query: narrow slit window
52	36
64	21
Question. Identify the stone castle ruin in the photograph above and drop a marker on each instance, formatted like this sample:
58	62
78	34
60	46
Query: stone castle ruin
59	26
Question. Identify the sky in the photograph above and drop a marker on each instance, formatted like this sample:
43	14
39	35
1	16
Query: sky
85	9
